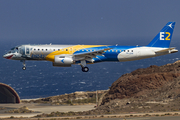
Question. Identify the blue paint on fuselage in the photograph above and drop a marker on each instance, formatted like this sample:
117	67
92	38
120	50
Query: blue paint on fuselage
109	55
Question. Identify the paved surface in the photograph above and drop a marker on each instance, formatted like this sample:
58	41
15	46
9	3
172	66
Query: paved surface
45	108
141	118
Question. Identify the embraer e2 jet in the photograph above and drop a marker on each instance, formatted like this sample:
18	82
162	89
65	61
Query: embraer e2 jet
66	55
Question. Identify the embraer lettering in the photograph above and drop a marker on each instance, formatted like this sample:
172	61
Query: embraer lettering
38	56
68	55
165	33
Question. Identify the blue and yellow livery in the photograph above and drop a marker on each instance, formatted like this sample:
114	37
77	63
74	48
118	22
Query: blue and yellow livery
66	55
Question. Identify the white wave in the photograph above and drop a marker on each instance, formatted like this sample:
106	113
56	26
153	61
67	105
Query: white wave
82	82
54	84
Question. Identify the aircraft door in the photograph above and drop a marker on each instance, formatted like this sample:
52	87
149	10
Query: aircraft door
70	50
27	50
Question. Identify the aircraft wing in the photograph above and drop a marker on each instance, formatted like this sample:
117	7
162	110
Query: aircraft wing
168	49
89	55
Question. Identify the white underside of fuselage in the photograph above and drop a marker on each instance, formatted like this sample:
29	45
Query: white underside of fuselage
140	53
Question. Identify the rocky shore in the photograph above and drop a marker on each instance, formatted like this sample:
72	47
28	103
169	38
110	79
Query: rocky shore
145	90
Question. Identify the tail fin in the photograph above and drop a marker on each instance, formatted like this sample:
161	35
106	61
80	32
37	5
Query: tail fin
163	38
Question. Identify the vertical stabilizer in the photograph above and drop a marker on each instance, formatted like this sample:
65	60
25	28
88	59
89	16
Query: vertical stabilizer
163	38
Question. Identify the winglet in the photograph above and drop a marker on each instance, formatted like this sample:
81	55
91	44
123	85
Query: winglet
163	38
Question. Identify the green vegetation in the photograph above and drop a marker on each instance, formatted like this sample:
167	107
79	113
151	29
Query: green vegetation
2	108
176	114
23	109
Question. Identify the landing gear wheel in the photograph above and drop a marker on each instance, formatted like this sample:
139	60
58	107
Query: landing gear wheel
24	68
85	69
24	64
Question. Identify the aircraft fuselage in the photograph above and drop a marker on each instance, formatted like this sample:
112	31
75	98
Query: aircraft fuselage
66	55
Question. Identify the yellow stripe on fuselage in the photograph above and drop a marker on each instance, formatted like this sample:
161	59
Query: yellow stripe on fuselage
69	50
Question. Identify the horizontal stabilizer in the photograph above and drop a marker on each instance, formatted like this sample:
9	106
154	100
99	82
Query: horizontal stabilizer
172	50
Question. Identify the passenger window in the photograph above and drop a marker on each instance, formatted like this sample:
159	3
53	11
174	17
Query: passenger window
42	49
66	49
131	50
46	49
58	49
34	49
38	49
128	51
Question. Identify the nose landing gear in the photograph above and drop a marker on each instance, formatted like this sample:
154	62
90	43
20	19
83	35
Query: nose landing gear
24	65
24	68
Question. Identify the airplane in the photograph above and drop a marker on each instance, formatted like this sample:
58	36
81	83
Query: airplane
66	55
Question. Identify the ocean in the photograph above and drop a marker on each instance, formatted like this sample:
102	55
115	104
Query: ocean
41	79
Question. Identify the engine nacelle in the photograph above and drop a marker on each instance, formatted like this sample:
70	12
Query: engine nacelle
63	61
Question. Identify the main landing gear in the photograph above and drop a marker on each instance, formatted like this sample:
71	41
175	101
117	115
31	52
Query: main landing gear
85	69
24	65
83	65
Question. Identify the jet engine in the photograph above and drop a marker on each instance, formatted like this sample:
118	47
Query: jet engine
63	61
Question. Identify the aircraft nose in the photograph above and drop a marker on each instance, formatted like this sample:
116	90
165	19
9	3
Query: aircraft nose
7	56
4	55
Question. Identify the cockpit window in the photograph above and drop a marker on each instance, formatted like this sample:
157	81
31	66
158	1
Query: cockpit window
13	50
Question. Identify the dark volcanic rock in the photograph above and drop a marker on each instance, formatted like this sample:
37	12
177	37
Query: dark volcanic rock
142	81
